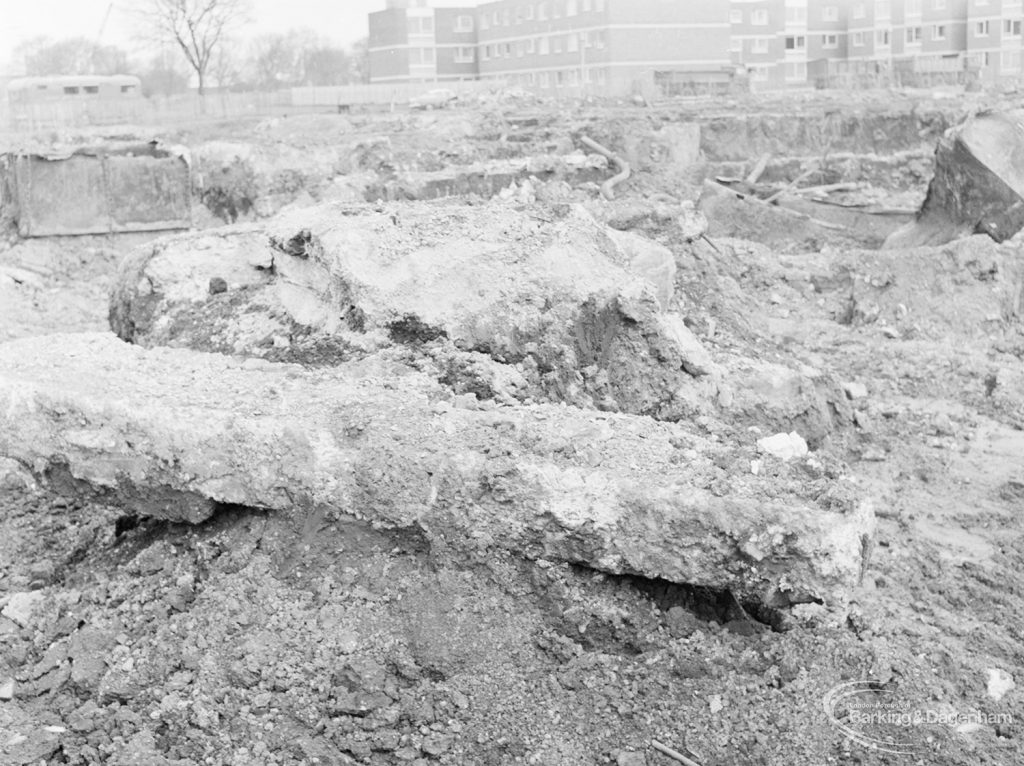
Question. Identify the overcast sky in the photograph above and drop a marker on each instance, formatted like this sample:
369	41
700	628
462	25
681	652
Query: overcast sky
343	21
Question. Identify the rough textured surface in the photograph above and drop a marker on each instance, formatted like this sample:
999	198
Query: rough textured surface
580	312
977	187
613	492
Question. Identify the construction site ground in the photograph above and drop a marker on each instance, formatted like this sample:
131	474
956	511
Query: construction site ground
260	638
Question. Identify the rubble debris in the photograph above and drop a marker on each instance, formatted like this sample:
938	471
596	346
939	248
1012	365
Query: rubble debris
607	491
582	311
1000	683
978	185
785	447
21	606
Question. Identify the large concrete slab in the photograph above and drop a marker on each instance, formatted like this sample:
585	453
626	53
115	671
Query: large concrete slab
178	431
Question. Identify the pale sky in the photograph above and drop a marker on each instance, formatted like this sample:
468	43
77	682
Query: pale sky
343	21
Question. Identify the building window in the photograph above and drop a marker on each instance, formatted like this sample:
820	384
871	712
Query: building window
588	6
759	17
939	32
463	23
556	13
830	41
531	46
70	90
859	11
496	19
858	39
912	7
1011	28
913	35
796	70
736	16
464	55
796	15
830	13
556	44
92	89
545	46
882	37
570	8
124	88
1009	61
796	43
542	11
423	25
760	45
573	43
759	73
599	6
981	29
544	80
484	23
421	56
882	9
485	53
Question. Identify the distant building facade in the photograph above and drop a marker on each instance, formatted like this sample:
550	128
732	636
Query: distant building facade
617	47
413	42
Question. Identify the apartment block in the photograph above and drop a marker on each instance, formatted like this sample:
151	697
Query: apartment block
619	47
994	41
413	42
605	46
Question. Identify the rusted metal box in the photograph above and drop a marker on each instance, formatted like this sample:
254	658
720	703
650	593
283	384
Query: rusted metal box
103	189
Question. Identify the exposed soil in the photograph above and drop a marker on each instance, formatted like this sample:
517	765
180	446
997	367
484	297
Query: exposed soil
258	638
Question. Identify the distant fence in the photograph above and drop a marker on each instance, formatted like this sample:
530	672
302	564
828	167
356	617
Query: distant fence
382	93
33	118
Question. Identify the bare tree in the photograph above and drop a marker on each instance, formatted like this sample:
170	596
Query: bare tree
197	27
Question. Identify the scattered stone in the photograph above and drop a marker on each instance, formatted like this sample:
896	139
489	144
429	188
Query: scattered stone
7	687
855	390
630	758
437	744
89	650
785	447
14	476
218	285
999	683
21	606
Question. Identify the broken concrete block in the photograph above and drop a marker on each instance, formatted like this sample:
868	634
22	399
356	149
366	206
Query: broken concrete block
978	186
346	282
21	606
785	447
1000	683
605	490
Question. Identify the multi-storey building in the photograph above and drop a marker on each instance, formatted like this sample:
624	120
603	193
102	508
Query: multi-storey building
606	46
619	47
994	41
410	41
827	38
